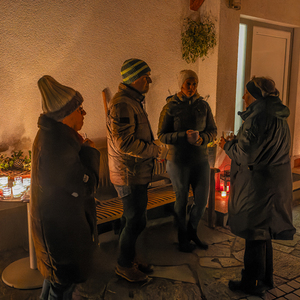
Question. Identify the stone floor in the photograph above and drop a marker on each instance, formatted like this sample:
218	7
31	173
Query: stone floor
198	275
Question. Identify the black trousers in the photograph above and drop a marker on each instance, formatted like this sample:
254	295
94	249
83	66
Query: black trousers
258	261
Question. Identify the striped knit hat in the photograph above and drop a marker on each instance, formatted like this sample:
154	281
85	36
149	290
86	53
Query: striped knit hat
58	101
132	69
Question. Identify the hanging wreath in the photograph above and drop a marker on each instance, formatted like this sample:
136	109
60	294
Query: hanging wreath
198	37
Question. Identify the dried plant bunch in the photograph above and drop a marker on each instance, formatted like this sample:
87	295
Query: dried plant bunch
198	38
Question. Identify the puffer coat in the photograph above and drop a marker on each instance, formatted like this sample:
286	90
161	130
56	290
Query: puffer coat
64	176
179	115
131	150
261	181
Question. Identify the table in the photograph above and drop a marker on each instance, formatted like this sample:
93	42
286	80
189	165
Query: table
23	273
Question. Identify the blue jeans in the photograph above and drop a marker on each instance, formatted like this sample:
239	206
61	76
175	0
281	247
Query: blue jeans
134	220
55	291
182	176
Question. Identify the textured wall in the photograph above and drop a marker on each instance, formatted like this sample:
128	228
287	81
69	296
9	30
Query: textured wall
83	43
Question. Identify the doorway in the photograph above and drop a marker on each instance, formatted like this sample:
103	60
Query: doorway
264	50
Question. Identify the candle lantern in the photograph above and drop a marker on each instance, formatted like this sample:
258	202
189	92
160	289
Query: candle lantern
17	190
3	182
18	180
7	193
223	194
225	181
26	182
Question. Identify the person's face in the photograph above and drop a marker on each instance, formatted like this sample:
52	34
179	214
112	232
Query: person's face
248	98
75	119
142	83
189	87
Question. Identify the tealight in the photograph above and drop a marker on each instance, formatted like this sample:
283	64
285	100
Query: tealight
17	190
3	181
18	180
26	182
223	194
7	193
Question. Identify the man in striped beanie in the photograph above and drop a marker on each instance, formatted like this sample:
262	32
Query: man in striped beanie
131	159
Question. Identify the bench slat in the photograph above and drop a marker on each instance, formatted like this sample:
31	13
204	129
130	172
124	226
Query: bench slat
112	209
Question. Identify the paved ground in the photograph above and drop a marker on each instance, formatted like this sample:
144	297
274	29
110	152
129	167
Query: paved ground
199	275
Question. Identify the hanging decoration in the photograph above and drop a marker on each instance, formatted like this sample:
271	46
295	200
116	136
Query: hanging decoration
197	38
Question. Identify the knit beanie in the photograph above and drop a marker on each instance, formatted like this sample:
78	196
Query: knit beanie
58	101
184	75
132	69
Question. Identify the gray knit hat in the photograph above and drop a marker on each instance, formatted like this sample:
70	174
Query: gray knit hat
184	75
132	69
58	101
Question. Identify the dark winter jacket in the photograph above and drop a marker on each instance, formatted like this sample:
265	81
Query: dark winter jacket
179	115
261	181
131	150
63	217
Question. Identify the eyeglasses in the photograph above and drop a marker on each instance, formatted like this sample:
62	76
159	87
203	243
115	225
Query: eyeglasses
81	110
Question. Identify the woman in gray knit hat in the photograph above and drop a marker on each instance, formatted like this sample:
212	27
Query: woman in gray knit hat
187	125
65	172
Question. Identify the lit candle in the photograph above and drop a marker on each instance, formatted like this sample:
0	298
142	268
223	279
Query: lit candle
17	190
223	194
3	181
18	180
26	182
7	193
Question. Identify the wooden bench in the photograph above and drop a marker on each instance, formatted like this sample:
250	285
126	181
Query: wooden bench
160	192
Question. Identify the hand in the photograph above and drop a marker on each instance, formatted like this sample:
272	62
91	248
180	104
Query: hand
88	142
222	142
192	136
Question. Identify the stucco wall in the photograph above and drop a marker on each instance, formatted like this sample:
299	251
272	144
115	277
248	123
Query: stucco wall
83	43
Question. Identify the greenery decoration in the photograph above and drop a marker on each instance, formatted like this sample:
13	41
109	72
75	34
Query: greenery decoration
198	38
16	161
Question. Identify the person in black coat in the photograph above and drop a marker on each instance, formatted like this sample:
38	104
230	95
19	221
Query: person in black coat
260	201
65	173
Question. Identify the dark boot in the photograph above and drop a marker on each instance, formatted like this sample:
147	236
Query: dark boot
184	242
192	236
247	285
268	280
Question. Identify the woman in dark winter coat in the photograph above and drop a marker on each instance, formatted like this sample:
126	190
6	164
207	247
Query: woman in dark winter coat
187	125
64	175
261	182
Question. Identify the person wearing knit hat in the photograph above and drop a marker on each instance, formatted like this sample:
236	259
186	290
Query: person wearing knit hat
131	153
261	195
186	125
64	175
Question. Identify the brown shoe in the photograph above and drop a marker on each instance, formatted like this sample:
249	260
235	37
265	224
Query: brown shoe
132	274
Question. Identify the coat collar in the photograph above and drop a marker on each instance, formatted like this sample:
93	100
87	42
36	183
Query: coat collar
272	104
49	124
131	92
184	98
